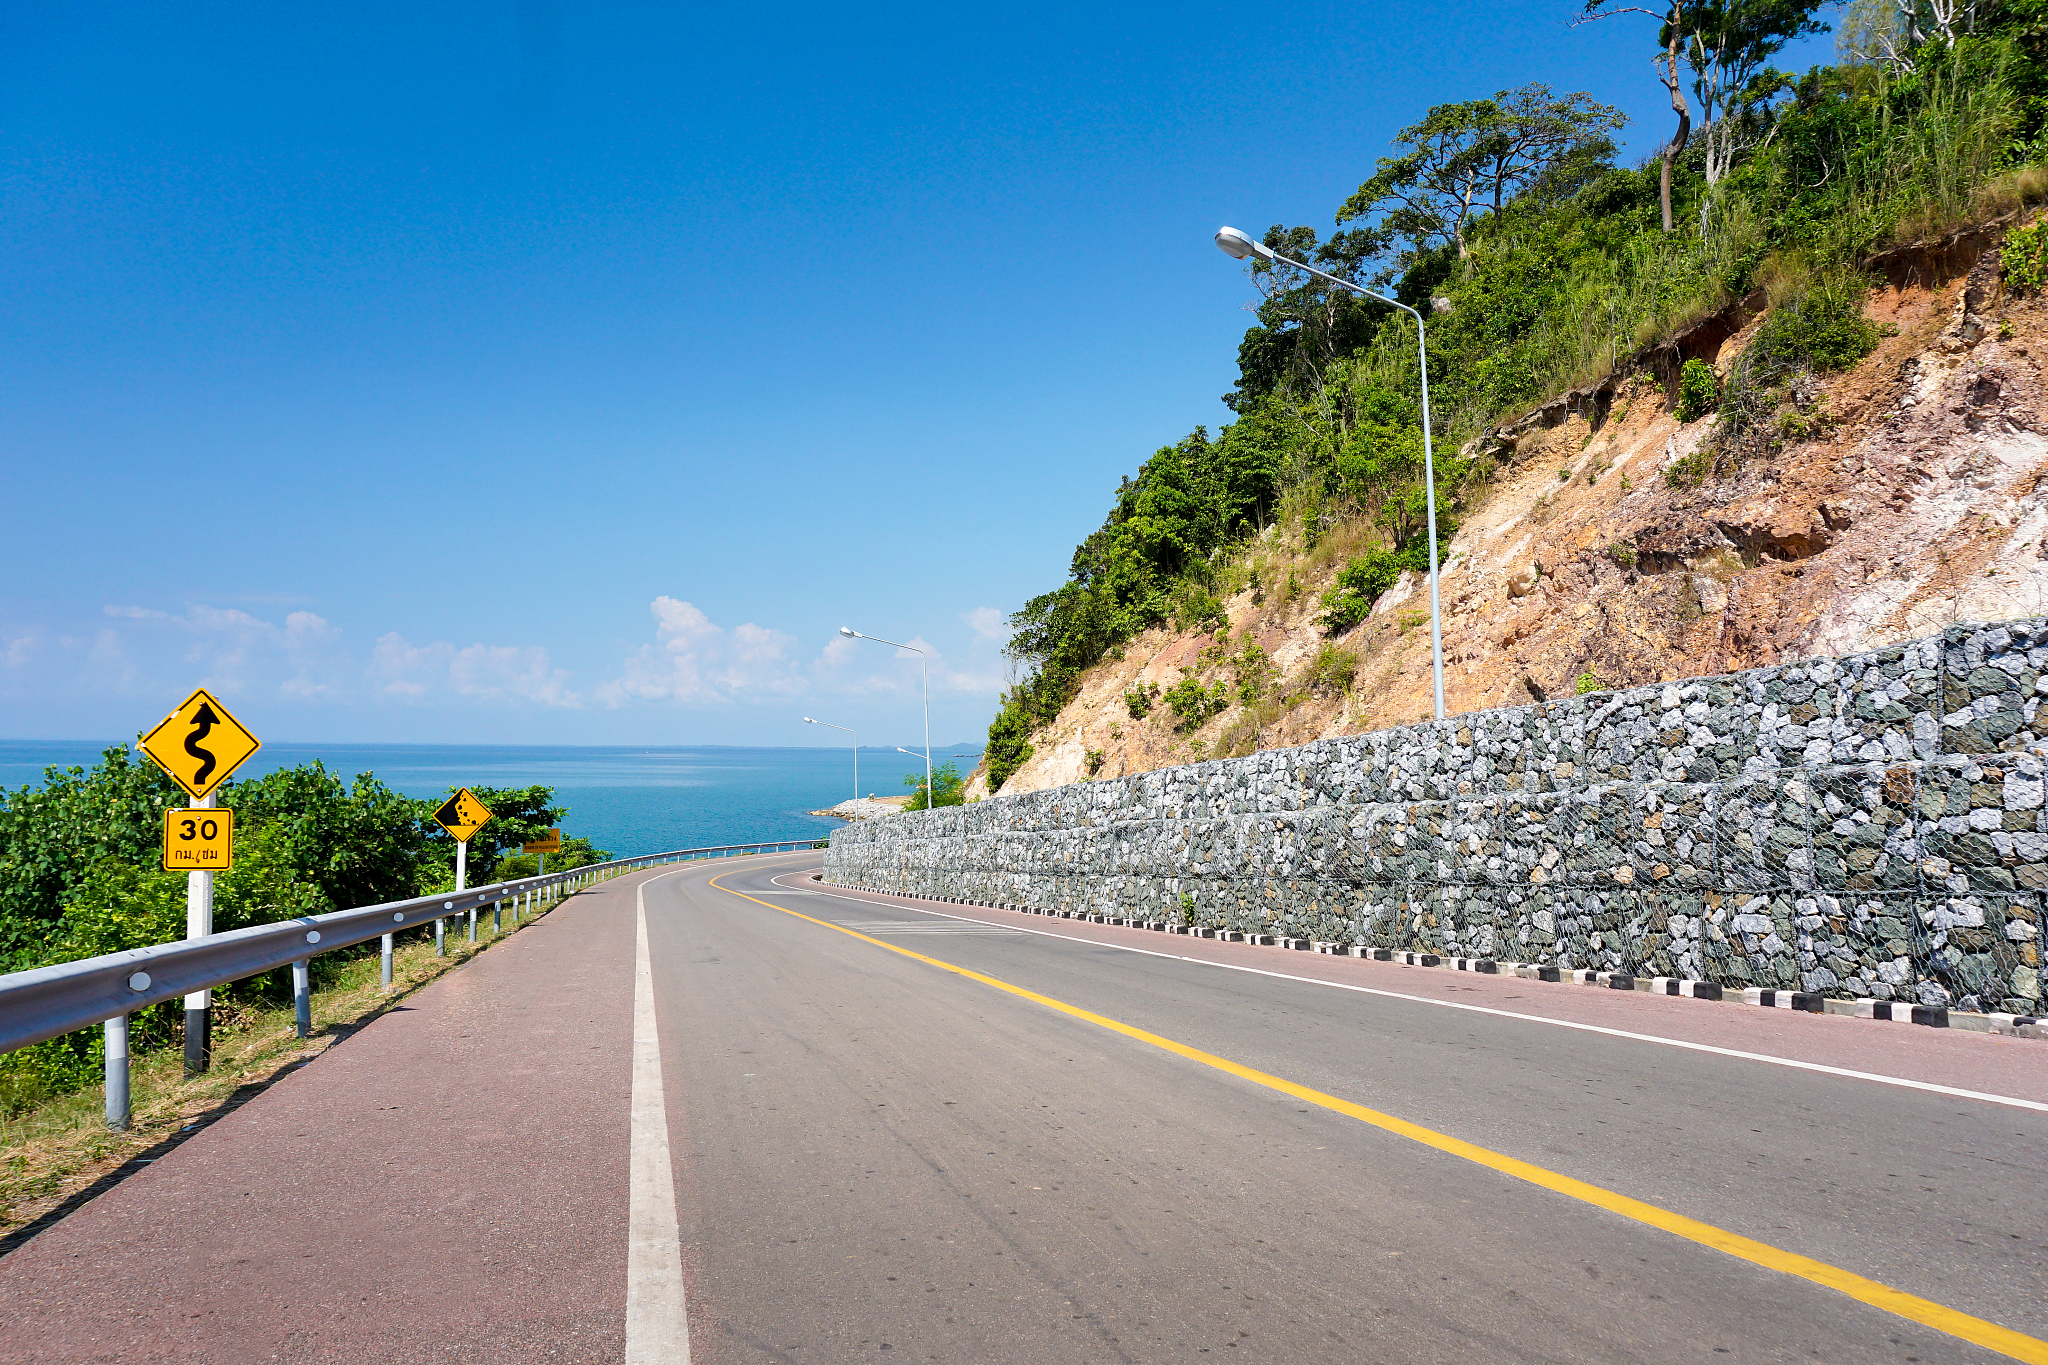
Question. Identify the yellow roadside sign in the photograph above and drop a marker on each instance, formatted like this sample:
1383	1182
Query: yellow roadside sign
200	743
551	842
199	840
462	815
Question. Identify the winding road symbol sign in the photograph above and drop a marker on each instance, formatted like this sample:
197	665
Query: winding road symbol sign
200	744
462	815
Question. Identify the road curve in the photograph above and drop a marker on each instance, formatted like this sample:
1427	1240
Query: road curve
900	1131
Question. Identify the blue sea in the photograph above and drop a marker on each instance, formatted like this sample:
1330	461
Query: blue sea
629	800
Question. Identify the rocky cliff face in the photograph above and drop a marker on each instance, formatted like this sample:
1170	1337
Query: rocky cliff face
1902	496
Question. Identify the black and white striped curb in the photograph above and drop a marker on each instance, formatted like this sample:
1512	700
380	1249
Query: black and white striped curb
1894	1011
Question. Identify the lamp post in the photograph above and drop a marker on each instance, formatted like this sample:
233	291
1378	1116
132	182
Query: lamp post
850	633
856	750
1235	243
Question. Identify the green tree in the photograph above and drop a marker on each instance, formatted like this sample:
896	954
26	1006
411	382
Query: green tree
1478	153
360	845
1730	43
946	783
52	837
1678	20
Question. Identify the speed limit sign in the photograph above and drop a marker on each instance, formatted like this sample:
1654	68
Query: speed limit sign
199	840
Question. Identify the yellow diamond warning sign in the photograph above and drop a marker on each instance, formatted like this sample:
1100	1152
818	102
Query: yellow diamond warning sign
199	744
462	815
199	840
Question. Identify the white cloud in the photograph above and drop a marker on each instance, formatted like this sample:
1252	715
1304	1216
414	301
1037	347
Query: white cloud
480	672
988	623
137	613
694	661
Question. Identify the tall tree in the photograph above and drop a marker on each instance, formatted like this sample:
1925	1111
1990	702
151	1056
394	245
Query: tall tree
1479	153
1726	43
1305	323
1890	31
1676	24
1730	43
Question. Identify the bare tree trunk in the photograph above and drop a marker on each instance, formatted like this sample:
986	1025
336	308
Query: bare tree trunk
1669	75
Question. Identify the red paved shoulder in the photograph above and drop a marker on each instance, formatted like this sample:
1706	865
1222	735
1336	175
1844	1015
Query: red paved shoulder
449	1184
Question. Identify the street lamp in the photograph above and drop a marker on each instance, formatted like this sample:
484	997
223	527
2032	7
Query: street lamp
1235	243
856	750
850	633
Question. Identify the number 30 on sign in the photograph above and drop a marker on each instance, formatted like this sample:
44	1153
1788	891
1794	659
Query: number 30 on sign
199	840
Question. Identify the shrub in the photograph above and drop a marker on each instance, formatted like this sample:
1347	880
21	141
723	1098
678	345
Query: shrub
1359	585
1193	704
1622	553
2025	258
1332	669
1588	681
947	784
1198	609
1187	908
1821	328
1699	390
1254	670
1139	700
1096	758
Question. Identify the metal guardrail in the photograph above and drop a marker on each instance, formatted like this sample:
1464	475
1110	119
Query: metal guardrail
48	1002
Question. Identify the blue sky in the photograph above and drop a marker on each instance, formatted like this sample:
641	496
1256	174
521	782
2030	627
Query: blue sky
535	373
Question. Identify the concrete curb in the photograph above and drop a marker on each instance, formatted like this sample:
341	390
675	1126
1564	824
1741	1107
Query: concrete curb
1889	1011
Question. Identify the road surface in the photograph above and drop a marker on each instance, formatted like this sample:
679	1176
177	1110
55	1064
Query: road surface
897	1131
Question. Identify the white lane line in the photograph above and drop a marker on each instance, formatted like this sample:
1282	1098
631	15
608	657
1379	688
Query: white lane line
1764	1057
657	1319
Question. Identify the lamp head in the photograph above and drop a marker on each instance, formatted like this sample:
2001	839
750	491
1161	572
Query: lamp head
1235	243
849	632
809	721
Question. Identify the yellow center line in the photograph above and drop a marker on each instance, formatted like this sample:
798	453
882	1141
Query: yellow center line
1942	1318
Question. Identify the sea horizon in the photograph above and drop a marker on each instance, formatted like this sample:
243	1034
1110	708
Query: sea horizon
626	798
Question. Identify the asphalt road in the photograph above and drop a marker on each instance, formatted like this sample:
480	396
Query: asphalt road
1070	1143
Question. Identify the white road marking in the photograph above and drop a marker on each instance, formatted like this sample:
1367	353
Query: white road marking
1764	1057
657	1319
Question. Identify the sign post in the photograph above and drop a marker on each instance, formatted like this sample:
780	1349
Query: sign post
462	815
551	842
199	745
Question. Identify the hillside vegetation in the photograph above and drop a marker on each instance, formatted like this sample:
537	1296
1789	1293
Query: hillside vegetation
1544	268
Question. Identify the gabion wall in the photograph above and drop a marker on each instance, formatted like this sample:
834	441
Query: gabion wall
1867	826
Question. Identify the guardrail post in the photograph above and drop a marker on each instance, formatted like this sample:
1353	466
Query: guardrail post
302	995
440	936
117	1073
497	922
472	924
387	962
